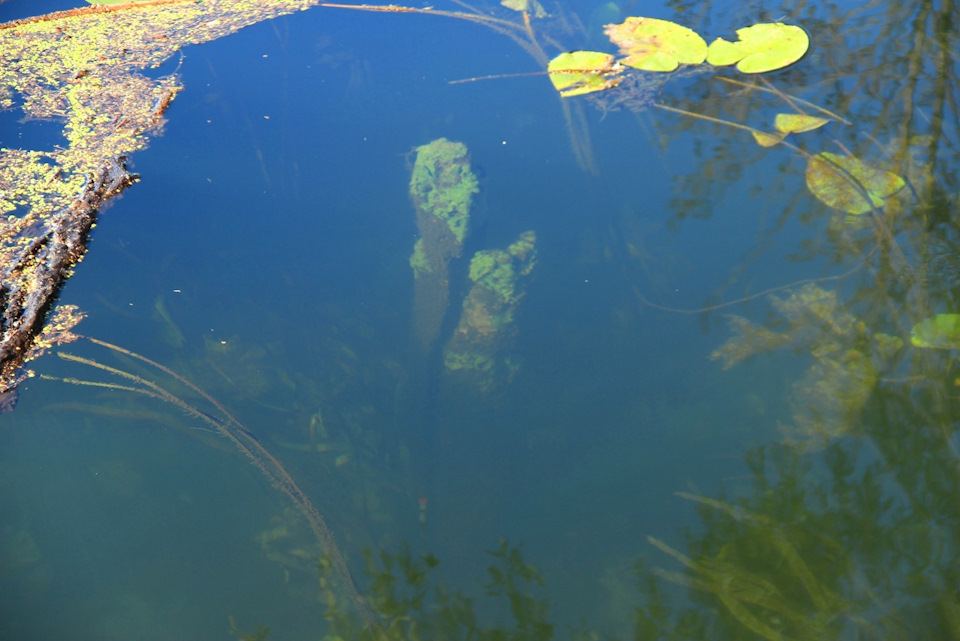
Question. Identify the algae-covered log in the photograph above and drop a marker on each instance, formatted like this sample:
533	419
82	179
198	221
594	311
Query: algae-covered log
475	353
82	68
442	188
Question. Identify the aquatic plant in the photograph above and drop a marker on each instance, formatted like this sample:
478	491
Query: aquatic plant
223	422
843	182
413	605
760	48
500	270
574	73
651	44
940	332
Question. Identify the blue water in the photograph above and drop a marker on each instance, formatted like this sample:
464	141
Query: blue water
264	256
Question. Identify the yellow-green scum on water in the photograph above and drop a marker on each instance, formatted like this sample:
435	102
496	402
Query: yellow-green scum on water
82	67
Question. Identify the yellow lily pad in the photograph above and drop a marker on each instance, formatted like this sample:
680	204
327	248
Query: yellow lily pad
798	123
786	124
766	139
938	332
579	72
651	44
760	47
722	52
845	183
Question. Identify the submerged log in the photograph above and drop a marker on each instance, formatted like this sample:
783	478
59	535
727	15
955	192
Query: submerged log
29	284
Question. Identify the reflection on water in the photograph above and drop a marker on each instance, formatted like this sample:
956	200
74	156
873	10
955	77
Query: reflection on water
733	408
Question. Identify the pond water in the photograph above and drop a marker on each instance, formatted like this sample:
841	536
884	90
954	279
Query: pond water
711	392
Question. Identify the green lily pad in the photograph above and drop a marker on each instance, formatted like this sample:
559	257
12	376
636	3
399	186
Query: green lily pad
722	52
760	48
844	183
656	45
579	72
939	332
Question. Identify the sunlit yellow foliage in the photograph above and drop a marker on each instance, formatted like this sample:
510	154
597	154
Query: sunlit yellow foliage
83	68
652	44
574	73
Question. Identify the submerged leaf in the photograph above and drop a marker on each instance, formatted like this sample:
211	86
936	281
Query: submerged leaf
798	123
656	45
786	124
765	139
760	48
845	183
938	332
532	7
579	72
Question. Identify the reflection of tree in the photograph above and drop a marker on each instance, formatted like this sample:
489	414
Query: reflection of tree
900	107
848	528
856	541
412	604
847	359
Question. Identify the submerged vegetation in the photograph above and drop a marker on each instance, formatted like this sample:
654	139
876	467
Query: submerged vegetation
846	524
237	434
413	605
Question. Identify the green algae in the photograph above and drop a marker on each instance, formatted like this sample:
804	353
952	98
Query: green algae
443	184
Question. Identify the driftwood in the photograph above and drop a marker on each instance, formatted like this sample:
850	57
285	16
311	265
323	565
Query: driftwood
29	285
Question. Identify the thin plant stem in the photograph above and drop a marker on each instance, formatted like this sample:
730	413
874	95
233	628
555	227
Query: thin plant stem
746	299
244	440
524	36
791	99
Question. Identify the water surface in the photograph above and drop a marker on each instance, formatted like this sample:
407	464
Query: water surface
264	255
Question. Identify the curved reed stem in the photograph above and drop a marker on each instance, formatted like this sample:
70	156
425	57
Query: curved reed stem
244	440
